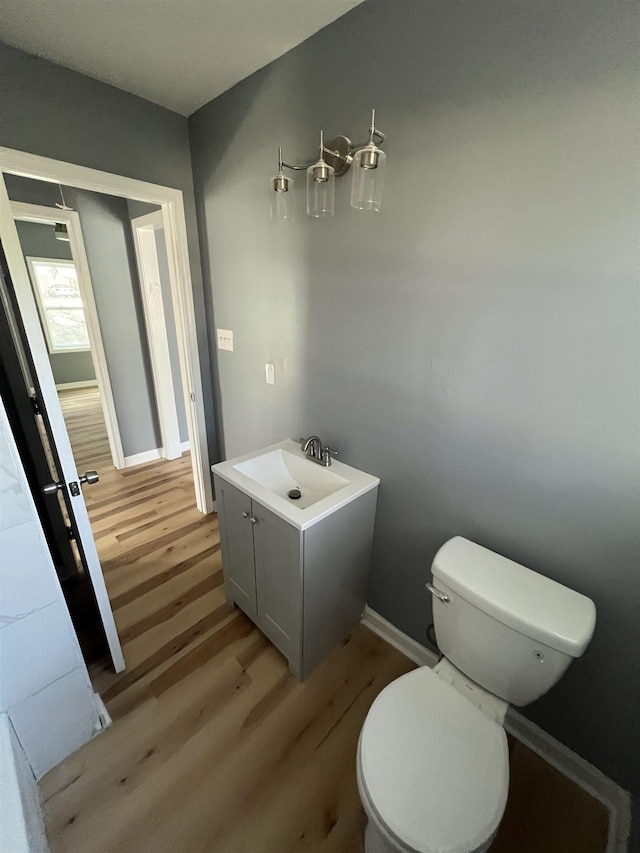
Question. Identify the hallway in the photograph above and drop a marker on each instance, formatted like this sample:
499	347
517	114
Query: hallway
160	556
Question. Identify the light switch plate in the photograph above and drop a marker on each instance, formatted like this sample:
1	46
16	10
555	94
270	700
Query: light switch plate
225	339
270	372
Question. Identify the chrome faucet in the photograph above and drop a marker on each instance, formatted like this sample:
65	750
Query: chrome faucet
312	446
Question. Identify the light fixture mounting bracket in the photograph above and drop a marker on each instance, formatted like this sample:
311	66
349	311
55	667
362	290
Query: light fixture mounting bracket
338	153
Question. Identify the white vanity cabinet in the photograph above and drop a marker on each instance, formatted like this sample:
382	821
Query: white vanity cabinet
305	588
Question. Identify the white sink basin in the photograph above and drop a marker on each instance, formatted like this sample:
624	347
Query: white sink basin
281	471
269	474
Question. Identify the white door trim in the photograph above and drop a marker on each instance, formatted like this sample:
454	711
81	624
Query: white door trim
70	218
68	471
175	229
144	238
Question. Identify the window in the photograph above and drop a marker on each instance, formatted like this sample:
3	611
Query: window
58	294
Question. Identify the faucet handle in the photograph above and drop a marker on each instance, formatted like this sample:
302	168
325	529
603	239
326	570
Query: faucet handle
327	453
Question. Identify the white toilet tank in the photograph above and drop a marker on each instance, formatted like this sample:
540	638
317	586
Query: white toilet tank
509	629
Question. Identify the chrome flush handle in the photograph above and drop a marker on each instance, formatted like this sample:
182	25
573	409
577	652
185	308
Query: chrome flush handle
441	596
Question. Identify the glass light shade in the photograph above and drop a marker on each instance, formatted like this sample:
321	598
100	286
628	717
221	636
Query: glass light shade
321	189
281	198
368	178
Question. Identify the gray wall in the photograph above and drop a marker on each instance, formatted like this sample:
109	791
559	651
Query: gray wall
108	240
38	241
58	113
106	231
140	208
475	344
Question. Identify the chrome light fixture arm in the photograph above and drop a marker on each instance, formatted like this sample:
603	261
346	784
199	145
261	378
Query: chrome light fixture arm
373	132
339	151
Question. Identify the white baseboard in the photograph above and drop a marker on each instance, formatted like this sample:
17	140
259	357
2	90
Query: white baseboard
615	799
140	458
149	455
85	383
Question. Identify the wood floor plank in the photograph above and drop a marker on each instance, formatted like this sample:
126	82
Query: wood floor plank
169	539
124	577
163	613
176	644
160	577
153	524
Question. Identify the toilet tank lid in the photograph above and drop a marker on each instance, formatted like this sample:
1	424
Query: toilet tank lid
520	598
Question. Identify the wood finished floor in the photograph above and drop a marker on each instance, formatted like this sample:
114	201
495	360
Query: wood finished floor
214	746
83	416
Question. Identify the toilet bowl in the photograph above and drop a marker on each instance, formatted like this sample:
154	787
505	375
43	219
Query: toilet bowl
433	761
433	769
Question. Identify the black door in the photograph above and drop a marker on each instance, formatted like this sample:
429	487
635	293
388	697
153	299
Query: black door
28	420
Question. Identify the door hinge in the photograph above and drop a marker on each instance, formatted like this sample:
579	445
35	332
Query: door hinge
35	405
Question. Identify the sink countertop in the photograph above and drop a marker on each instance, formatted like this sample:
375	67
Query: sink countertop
358	482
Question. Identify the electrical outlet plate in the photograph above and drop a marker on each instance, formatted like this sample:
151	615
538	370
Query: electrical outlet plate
270	372
225	339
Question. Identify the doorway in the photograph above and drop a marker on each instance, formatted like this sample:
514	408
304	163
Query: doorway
126	529
171	207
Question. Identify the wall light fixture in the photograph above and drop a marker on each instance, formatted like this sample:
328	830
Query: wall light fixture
336	158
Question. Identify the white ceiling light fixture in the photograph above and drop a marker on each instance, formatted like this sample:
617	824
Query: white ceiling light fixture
336	158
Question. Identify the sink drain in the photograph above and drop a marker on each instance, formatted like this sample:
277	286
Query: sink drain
295	494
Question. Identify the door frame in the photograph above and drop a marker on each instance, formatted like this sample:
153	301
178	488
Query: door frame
144	228
39	213
172	207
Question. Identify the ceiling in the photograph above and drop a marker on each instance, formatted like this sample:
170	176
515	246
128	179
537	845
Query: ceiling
177	53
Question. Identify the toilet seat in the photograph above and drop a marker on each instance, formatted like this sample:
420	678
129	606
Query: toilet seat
433	767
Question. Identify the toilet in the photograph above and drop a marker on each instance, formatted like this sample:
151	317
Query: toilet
433	762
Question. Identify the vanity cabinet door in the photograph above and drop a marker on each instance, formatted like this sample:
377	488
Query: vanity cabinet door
278	561
236	536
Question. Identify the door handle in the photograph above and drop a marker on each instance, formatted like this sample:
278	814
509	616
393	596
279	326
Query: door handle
89	477
436	593
253	520
52	488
